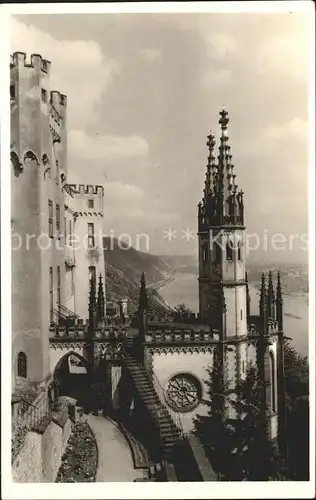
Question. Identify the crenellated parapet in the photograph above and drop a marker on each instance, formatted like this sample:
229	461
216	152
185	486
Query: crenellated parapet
19	60
87	189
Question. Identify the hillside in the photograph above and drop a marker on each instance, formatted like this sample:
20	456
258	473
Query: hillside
294	277
181	263
133	262
124	267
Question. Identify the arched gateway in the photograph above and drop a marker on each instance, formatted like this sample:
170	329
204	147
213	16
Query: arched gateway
72	376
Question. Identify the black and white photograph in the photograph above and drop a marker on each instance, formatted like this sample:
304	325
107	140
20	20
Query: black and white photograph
158	269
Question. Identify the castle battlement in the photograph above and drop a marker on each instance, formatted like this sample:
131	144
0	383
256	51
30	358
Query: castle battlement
87	189
19	60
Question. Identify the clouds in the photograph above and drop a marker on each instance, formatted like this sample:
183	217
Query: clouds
79	68
285	55
120	192
296	129
222	45
145	90
106	148
150	55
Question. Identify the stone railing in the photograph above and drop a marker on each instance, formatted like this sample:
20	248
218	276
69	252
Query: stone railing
174	336
81	329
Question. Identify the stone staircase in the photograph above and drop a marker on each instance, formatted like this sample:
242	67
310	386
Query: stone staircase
170	433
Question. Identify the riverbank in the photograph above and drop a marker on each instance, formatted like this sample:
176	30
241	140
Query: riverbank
184	289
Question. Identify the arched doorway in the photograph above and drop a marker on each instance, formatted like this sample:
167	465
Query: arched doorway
72	376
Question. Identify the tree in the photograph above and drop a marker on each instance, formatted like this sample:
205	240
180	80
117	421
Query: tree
238	448
256	456
183	309
297	412
212	429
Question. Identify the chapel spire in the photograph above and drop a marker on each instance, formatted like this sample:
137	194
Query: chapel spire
222	203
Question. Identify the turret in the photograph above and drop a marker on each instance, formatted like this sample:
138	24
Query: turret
248	296
143	302
271	298
142	319
92	304
279	303
263	312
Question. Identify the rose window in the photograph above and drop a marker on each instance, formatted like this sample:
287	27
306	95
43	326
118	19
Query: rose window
183	392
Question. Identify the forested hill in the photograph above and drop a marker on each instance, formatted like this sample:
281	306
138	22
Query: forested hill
124	266
133	262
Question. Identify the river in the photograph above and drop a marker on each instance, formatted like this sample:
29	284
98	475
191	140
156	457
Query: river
184	289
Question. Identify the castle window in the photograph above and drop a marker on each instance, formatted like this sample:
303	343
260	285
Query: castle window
57	172
90	235
92	274
22	365
12	91
65	229
44	95
70	234
241	314
243	367
58	287
272	383
51	298
50	219
229	250
204	253
239	250
218	252
72	282
58	221
90	203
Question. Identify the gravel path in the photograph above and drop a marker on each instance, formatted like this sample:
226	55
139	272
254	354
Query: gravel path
115	458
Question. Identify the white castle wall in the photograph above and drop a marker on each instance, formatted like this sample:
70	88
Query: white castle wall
167	365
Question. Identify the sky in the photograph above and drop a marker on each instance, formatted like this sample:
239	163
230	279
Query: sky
144	90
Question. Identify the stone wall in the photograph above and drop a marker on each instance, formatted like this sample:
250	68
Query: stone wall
40	456
165	366
27	468
51	452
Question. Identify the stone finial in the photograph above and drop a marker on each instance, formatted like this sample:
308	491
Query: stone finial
100	300
224	120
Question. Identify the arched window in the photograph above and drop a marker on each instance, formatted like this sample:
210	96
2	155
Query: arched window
22	365
272	383
239	250
204	253
229	249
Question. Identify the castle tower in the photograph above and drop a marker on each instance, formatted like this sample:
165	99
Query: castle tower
38	152
87	237
222	266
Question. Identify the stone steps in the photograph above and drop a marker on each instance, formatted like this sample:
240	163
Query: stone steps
169	432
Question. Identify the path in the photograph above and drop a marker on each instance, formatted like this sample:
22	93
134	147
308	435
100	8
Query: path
115	458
